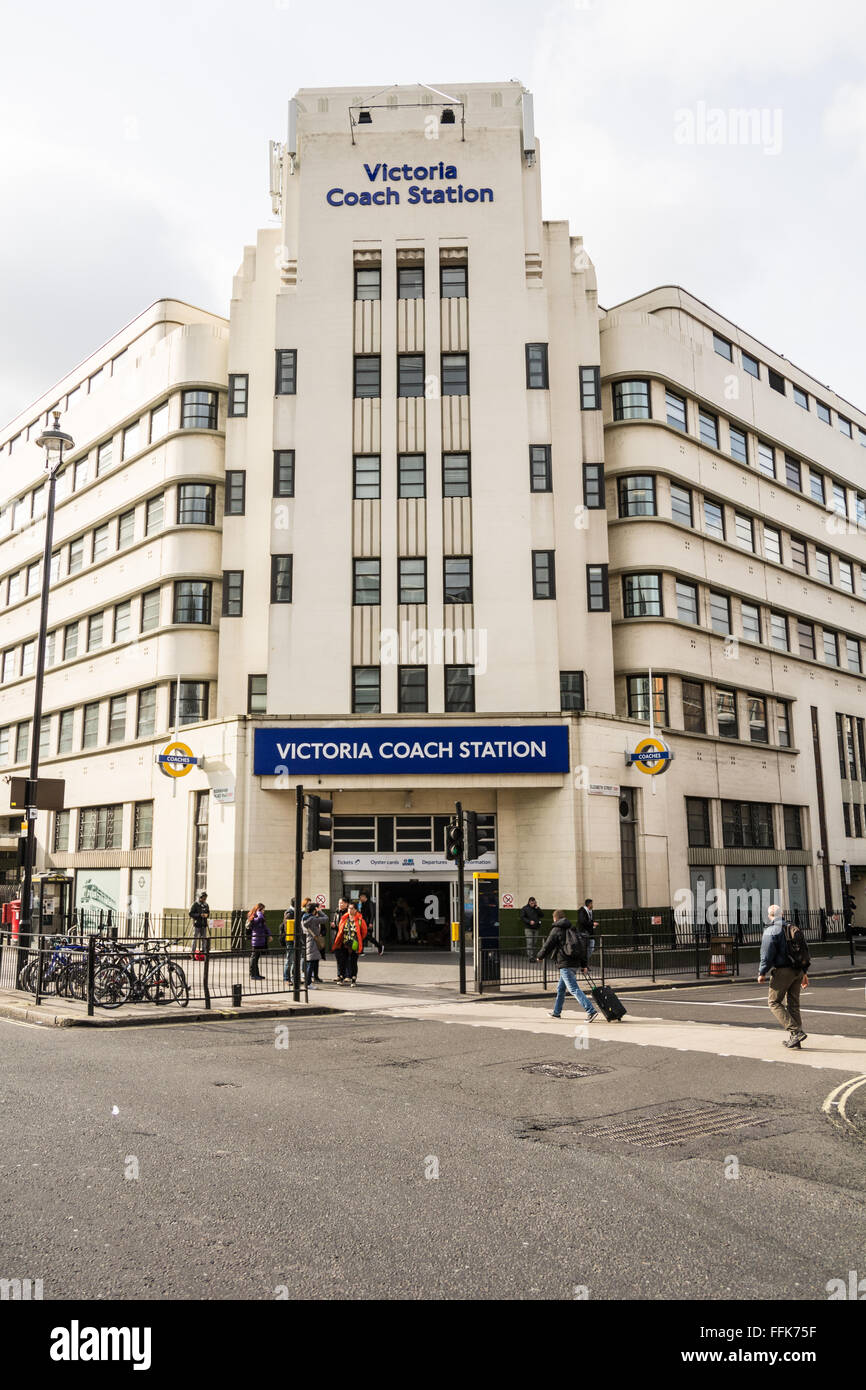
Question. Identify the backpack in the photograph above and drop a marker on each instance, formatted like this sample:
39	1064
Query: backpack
798	951
574	946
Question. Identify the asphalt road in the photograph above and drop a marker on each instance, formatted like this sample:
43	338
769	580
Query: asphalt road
315	1166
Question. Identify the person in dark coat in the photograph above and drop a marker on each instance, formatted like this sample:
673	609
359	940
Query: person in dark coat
531	916
555	946
259	936
587	925
367	909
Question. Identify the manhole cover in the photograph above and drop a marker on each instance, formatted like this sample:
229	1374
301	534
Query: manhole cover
659	1129
564	1071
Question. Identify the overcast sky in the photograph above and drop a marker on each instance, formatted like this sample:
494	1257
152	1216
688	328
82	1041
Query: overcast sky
133	151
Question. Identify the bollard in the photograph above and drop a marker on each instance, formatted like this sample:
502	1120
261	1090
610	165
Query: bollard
205	974
91	966
40	962
236	996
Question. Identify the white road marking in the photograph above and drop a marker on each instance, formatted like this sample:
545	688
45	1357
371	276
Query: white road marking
838	1098
716	1004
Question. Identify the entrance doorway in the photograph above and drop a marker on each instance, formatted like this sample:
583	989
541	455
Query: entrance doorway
415	914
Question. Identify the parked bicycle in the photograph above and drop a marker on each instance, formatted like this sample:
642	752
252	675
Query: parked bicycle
64	972
148	975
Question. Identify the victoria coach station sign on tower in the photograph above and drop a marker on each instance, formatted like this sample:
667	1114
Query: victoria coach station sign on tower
452	750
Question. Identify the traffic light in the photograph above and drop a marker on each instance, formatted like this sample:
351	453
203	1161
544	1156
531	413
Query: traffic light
454	839
319	810
471	835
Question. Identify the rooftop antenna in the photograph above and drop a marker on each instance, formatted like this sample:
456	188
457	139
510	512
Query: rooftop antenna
275	161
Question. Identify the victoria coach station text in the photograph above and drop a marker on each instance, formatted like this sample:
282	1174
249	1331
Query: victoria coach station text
426	184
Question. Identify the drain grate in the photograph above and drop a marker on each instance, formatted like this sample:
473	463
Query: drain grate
564	1071
660	1129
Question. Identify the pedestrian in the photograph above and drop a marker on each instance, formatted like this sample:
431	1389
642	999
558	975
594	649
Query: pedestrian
785	957
311	925
569	949
259	935
339	955
322	927
200	912
349	942
402	920
531	916
587	925
288	946
367	907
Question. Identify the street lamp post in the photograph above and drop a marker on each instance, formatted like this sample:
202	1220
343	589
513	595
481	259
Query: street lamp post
54	442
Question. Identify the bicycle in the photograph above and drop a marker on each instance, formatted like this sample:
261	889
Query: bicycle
65	971
138	976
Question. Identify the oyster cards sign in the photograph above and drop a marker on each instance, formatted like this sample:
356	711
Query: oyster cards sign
450	750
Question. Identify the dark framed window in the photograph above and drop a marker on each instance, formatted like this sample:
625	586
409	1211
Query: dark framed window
698	822
366	582
776	381
537	378
751	618
783	724
816	486
792	473
572	690
239	388
831	648
593	486
739	447
540	473
823	411
412	579
456	475
720	613
681	505
455	374
638	694
751	365
708	427
366	690
196	504
99	827
367	476
257	694
543	574
411	475
458	579
145	715
714	519
284	472
142	825
233	593
773	544
64	731
747	825
757	710
193	707
70	640
368	375
410	282
410	374
766	458
799	554
687	601
286	374
459	690
675	411
597	596
192	601
199	410
637	495
744	531
236	491
281	578
453	281
723	347
852	652
62	824
631	400
412	689
200	847
642	595
806	639
590	388
823	570
779	632
726	713
793	820
694	712
368	282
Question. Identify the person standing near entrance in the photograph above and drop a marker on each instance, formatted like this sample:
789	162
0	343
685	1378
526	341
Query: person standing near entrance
367	908
531	916
339	955
200	912
259	936
785	957
569	950
349	943
587	925
313	921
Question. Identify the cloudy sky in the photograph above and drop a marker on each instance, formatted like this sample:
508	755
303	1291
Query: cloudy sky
133	151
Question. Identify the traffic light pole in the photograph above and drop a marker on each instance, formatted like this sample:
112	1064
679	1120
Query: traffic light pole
461	898
299	860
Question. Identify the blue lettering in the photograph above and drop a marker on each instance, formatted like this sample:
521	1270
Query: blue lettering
350	199
371	173
392	196
439	195
414	194
487	195
471	195
335	202
365	199
379	196
451	171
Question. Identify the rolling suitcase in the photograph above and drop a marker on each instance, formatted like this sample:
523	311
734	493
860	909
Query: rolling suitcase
606	1002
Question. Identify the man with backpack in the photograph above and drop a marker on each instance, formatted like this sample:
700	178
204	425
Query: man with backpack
569	949
785	957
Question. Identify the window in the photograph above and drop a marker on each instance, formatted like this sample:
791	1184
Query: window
739	448
458	579
101	542
766	458
757	707
154	516
751	615
747	825
597	600
412	580
816	486
198	410
455	374
193	703
572	687
412	689
540	478
792	473
62	824
233	593
593	485
196	504
192	601
22	743
806	639
150	610
366	476
257	695
368	282
131	439
720	613
590	388
675	408
743	531
453	281
714	519
103	457
779	631
284	472
776	381
822	565
852	652
844	426
117	719
90	725
823	412
64	731
455	475
4	744
681	505
366	581
411	475
145	719
694	715
637	495
202	816
783	724
800	397
846	817
10	662
687	601
642	595
793	827
846	576
286	382
82	472
366	695
34	575
142	825
76	561
126	529
123	621
45	736
70	641
410	282
239	386
236	492
631	400
51	648
281	579
839	500
698	822
773	544
750	365
459	689
799	555
726	713
637	688
543	574
831	648
368	370
723	347
95	632
708	428
159	422
536	366
410	374
99	827
28	658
